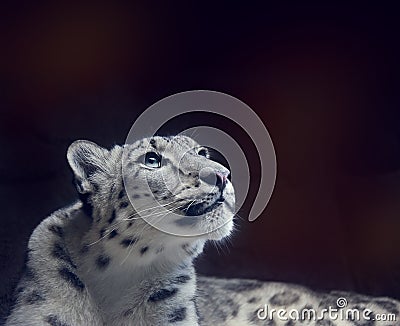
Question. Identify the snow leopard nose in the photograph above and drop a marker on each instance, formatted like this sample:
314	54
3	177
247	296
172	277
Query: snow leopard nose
212	177
221	180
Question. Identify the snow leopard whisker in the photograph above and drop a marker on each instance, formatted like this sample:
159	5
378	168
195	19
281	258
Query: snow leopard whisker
195	129
156	215
218	246
149	208
136	215
161	215
145	227
115	225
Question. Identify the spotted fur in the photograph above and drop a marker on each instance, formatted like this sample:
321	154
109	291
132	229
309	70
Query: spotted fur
99	262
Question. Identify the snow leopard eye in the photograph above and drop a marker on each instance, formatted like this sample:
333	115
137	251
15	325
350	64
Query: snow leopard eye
203	152
152	160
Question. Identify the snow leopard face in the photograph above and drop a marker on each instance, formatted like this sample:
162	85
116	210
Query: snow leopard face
177	175
169	183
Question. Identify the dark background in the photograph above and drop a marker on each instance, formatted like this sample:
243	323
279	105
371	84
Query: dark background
324	79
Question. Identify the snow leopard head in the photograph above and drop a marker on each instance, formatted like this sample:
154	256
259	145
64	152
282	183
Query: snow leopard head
153	186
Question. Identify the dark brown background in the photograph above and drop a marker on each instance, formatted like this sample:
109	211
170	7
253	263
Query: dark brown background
324	79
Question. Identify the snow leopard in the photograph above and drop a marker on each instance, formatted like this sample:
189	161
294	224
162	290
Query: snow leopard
104	261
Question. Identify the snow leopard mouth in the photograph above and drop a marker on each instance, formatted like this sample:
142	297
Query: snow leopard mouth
201	208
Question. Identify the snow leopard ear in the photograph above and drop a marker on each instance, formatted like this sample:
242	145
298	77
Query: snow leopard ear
85	159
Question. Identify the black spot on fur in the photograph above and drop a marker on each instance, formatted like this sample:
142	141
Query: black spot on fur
162	294
284	299
102	261
121	194
290	323
87	206
130	224
61	253
136	196
235	310
123	204
96	187
185	247
54	321
112	191
253	300
189	250
177	315
155	192
143	250
70	277
34	297
112	218
164	198
128	312
112	234
147	195
181	279
128	241
56	230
